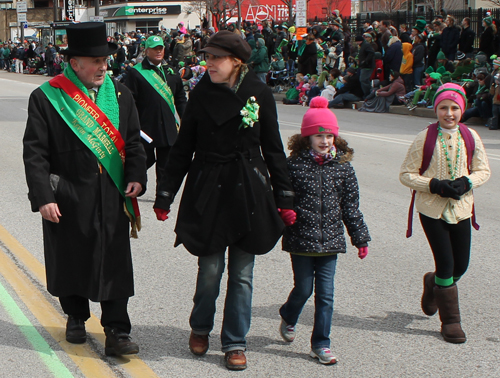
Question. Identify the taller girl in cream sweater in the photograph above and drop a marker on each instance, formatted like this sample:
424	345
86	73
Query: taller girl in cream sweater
445	201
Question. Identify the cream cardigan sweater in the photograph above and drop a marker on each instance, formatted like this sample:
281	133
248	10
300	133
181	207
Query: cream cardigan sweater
433	205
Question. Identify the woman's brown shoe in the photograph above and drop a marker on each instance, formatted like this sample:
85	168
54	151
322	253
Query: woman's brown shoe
236	360
198	344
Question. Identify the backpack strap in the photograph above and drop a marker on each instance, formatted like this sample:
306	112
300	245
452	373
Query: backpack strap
428	151
470	146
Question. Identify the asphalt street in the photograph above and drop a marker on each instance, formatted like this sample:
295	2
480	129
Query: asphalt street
378	327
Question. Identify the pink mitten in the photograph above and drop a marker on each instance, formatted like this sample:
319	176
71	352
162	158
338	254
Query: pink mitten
362	252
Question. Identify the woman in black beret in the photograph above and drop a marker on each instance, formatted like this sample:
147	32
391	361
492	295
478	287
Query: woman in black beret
229	145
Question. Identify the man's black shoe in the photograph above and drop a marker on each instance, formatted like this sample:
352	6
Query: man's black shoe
119	343
75	331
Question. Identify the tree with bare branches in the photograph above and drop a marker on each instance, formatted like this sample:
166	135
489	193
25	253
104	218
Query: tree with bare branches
494	2
389	6
198	7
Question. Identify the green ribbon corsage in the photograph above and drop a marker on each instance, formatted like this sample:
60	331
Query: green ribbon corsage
250	113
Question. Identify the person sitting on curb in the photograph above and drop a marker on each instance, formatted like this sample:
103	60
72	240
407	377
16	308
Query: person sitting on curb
351	91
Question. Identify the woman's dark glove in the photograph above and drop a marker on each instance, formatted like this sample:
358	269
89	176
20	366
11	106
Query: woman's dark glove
163	200
443	188
461	185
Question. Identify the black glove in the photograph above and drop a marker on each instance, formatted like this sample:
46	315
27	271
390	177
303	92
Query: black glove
163	200
461	185
443	188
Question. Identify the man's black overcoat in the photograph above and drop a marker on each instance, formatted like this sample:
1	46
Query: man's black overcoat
88	252
155	115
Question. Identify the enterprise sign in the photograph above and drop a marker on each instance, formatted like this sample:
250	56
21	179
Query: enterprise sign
145	11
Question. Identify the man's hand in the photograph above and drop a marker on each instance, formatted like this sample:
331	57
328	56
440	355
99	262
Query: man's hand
50	212
133	189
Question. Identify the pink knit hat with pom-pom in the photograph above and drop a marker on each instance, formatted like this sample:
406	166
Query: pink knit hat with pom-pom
319	119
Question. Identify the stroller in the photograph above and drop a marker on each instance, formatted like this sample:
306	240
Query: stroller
280	80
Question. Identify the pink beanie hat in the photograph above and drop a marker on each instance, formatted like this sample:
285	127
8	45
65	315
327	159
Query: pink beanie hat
450	91
319	119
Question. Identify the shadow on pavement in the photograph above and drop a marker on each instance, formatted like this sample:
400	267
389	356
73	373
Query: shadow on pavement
396	322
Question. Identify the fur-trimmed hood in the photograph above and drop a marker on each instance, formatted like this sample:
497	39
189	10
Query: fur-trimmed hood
392	40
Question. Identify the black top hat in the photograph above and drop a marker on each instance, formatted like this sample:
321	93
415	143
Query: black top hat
225	43
88	39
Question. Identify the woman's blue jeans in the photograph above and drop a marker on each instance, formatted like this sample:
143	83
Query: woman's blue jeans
311	272
238	304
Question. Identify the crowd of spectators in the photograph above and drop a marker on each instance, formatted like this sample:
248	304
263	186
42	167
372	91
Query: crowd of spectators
383	66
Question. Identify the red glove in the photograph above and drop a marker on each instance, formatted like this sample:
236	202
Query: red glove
288	216
362	252
161	214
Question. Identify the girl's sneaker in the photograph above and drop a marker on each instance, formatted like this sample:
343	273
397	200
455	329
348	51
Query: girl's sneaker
324	355
287	331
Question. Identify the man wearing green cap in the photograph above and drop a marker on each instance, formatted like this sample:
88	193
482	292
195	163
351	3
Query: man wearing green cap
158	94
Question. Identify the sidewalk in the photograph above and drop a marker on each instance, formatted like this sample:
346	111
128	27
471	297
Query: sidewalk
24	78
401	110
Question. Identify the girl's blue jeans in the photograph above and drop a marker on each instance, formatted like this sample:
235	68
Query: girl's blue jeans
311	272
238	304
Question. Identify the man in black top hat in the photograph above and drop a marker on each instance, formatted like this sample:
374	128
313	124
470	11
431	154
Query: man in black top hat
85	166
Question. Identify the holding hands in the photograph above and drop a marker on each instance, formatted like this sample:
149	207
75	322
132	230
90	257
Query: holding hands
161	214
288	216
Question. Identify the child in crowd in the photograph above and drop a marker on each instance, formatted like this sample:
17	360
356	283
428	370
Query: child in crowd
326	199
444	163
406	69
378	72
432	82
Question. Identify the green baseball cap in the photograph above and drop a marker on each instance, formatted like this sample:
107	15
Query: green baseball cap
154	41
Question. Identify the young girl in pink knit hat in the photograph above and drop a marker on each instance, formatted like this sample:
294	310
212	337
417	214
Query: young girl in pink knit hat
326	199
456	163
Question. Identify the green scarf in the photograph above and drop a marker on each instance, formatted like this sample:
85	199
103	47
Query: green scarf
106	98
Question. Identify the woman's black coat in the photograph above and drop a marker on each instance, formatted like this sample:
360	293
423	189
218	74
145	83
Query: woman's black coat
228	198
88	252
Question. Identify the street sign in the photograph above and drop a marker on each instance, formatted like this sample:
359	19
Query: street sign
25	25
301	13
21	17
22	6
97	18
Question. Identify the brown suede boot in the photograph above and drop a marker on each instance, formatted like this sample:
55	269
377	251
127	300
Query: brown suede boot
449	313
429	306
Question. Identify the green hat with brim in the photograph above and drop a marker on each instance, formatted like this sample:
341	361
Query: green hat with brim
420	25
154	41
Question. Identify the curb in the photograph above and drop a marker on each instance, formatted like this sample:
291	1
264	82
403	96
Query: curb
400	110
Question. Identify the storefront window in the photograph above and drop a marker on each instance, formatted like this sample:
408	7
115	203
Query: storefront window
147	26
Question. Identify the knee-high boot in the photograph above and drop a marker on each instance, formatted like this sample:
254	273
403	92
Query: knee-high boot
449	313
428	303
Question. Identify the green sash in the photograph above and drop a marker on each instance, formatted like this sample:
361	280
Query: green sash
159	85
95	130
